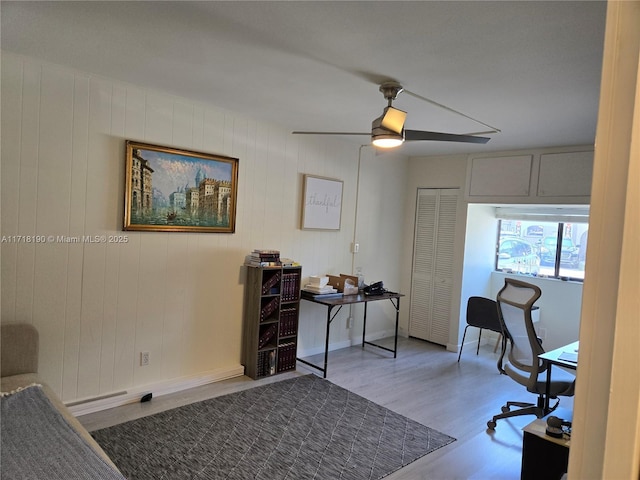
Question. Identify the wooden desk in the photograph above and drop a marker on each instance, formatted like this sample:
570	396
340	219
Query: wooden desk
553	357
339	302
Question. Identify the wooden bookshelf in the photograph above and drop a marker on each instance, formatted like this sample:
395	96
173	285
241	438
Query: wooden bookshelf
271	311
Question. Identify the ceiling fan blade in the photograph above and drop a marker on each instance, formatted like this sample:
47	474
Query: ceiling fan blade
414	135
332	133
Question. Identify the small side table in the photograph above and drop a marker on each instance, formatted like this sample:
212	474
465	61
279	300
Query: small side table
544	456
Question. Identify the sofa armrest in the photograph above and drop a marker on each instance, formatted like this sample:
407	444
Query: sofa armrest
18	349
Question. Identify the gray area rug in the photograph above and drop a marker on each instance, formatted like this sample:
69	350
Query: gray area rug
301	428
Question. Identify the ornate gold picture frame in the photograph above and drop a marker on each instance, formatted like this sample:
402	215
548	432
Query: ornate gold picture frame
172	190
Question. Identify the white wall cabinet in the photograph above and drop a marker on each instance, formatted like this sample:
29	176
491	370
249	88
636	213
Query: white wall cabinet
501	176
537	176
566	174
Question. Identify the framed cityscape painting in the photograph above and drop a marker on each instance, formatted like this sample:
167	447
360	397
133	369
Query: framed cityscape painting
171	190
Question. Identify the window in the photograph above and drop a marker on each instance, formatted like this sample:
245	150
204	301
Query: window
551	249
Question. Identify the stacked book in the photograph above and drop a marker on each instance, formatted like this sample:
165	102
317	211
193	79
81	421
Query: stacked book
270	285
263	258
288	322
287	262
286	356
266	335
268	308
290	286
266	363
319	286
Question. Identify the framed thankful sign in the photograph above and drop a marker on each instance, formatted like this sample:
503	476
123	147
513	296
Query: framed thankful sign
321	203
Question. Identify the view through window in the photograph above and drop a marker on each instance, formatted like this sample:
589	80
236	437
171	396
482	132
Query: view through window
551	249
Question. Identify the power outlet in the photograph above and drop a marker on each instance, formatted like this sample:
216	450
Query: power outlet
144	359
349	322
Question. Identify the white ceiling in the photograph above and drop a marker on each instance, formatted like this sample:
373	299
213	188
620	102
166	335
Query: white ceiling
531	68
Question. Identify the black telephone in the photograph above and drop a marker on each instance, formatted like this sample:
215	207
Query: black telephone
376	288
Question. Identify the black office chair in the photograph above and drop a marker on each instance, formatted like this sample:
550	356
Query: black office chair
515	302
482	313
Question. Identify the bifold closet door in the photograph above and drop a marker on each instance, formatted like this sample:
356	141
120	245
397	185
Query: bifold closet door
432	273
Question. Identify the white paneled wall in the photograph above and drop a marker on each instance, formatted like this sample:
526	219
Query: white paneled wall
176	295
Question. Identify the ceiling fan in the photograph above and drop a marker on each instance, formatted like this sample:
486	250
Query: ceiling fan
387	131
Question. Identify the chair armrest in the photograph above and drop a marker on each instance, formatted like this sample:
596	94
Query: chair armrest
18	349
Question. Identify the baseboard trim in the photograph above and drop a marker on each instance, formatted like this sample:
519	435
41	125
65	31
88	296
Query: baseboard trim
134	394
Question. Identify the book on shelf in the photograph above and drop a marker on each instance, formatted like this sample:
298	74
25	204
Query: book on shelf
287	262
290	286
266	363
286	356
268	258
253	262
271	283
265	254
251	258
288	321
267	335
265	251
270	307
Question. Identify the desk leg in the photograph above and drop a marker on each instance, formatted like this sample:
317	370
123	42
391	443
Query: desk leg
326	343
395	342
396	305
547	389
364	324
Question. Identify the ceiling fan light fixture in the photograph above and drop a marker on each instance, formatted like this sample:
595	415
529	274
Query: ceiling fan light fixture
387	140
384	137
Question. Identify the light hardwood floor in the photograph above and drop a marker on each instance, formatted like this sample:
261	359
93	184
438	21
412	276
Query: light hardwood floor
425	383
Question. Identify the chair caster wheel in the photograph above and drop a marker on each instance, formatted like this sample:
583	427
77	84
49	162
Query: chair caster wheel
505	409
491	425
